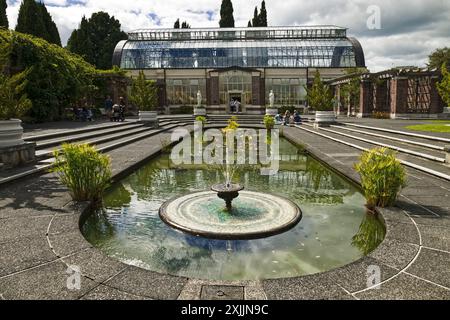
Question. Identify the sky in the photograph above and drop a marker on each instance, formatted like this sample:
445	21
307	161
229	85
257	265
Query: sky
392	33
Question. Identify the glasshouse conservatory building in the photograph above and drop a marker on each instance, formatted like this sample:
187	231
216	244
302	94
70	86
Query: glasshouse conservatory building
242	64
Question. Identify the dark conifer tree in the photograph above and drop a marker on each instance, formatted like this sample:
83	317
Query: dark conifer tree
3	16
263	15
96	39
226	14
177	24
255	21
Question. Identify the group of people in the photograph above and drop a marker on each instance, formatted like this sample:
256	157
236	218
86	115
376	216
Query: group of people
83	114
115	112
288	119
235	106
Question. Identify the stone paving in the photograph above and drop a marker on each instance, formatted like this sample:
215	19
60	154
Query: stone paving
40	238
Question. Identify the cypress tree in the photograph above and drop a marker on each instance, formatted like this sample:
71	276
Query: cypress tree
255	20
185	25
263	15
3	16
52	34
30	19
249	25
226	14
177	24
34	19
96	39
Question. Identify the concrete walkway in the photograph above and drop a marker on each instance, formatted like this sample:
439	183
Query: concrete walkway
40	238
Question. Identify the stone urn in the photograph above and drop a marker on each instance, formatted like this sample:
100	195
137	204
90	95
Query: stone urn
199	111
271	111
11	133
324	118
149	118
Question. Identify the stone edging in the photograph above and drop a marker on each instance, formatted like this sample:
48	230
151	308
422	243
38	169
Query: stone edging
394	256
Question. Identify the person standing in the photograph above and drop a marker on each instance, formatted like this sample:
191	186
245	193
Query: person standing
108	107
238	106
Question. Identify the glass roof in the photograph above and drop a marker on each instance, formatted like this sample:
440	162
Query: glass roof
295	32
287	53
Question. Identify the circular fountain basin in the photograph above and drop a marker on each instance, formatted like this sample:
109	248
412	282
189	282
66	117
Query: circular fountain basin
254	215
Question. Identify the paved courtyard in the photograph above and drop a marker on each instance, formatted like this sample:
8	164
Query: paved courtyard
40	237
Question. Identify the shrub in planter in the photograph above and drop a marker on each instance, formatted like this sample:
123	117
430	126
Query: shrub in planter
201	119
319	95
382	177
144	95
269	122
84	170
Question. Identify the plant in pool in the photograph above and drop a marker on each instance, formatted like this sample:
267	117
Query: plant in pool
84	170
201	119
370	234
232	124
382	177
269	122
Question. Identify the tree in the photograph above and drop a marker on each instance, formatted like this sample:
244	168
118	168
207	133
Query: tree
443	87
3	16
185	25
34	19
52	34
30	19
144	93
439	57
96	39
255	21
319	95
263	15
226	14
249	25
177	24
351	90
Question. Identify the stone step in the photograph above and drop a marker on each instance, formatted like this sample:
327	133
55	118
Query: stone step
67	132
404	133
430	167
48	153
46	164
436	145
405	147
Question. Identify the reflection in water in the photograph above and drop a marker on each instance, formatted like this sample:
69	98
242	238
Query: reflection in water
334	230
371	233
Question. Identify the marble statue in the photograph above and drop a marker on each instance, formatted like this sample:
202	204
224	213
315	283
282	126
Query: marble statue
199	98
271	98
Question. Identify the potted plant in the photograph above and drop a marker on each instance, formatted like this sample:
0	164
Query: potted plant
13	105
144	94
269	122
321	99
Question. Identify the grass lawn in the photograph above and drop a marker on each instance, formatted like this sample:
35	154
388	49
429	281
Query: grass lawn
432	126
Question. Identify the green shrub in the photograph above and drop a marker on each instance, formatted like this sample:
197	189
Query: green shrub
56	78
381	115
320	96
144	93
84	170
232	124
201	119
13	102
382	176
269	122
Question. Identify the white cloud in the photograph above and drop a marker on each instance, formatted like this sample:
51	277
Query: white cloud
410	29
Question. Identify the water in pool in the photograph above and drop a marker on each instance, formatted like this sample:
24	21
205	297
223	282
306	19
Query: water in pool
334	231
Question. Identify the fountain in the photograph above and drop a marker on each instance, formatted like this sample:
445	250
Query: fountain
228	192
